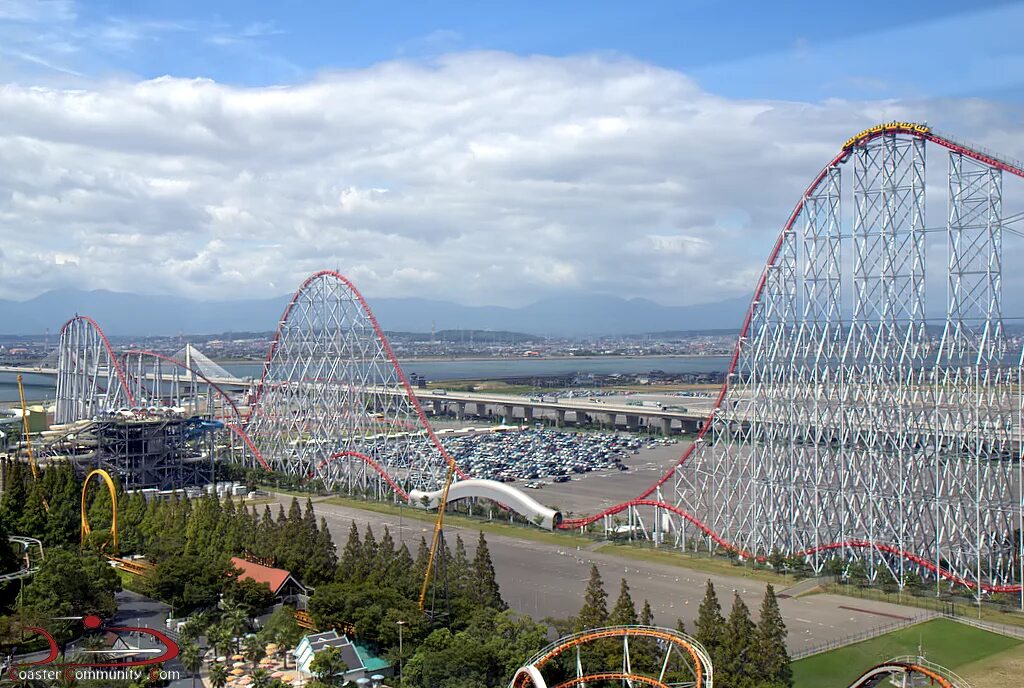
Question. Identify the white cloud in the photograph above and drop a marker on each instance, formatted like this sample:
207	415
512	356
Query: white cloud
481	177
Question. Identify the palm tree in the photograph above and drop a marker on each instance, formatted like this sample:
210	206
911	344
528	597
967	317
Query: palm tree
253	649
191	659
260	679
218	675
220	639
236	621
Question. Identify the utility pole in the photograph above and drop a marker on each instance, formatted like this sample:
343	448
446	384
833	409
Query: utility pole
400	653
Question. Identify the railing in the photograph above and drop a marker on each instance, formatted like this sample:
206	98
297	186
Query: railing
990	626
932	666
860	637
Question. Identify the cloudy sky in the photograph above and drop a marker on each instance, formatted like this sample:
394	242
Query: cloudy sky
487	153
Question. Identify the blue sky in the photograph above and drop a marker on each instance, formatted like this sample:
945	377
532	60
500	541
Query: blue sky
481	152
791	50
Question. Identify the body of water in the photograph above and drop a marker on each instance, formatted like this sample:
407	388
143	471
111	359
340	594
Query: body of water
41	387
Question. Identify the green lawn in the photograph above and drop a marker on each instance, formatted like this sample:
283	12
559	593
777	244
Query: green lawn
945	642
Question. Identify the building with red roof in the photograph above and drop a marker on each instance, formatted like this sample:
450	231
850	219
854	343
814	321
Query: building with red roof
282	584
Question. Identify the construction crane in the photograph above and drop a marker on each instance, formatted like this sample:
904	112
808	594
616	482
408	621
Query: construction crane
438	535
28	440
24	430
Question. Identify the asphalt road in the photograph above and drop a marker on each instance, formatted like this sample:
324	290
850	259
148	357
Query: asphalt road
545	580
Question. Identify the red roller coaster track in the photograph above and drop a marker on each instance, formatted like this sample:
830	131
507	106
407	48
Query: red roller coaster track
642	500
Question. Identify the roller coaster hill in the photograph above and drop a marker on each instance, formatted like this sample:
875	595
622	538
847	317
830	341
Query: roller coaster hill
871	415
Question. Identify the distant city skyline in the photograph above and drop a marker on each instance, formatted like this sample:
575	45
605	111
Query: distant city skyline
485	155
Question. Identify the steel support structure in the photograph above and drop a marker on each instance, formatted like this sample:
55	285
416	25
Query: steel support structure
89	378
852	426
645	655
333	394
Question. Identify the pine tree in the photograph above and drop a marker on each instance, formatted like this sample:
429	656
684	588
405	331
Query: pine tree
594	612
63	519
368	562
773	662
486	582
624	611
460	574
350	565
735	663
710	624
32	520
322	559
385	554
403	573
646	615
422	559
680	626
14	497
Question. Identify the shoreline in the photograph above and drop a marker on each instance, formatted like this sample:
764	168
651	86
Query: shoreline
451	359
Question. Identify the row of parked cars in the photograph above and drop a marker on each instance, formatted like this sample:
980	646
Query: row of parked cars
536	454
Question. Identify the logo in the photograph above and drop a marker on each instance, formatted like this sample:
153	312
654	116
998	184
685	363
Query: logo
130	666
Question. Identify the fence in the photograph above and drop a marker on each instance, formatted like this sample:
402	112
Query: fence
862	636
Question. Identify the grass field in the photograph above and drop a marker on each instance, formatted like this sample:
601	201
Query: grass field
1000	670
953	645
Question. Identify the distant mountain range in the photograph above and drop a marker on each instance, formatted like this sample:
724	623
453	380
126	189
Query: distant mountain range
124	314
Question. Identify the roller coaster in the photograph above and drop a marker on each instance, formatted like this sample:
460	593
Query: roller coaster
676	657
31	555
678	660
854	424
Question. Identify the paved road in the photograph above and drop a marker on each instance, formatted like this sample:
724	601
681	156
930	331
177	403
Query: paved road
543	580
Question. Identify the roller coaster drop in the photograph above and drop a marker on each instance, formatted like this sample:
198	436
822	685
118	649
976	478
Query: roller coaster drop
850	425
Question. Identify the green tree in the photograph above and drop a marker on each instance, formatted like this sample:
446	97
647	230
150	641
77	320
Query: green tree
735	663
624	611
254	649
322	559
235	620
218	675
328	666
63	518
32	520
261	679
710	624
191	659
220	639
487	592
9	559
594	612
350	566
646	615
282	629
773	662
14	497
68	584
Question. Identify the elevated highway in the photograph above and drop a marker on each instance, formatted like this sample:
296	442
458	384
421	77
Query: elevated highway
611	413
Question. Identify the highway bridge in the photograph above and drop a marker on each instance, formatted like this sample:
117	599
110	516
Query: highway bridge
611	412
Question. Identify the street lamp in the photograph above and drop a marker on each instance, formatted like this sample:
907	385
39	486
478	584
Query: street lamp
400	653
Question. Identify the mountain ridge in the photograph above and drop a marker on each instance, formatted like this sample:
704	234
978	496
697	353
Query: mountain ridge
126	314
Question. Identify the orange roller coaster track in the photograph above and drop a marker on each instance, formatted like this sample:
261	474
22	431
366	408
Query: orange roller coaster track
529	675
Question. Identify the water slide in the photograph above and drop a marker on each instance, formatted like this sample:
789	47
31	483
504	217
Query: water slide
510	497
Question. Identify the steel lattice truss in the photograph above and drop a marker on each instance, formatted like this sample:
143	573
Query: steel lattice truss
333	403
852	425
89	377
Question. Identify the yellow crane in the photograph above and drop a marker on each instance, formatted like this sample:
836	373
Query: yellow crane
24	430
438	530
28	439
